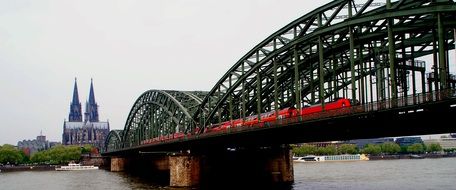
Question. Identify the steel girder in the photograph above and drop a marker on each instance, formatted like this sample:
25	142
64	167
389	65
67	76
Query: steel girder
319	57
113	140
159	113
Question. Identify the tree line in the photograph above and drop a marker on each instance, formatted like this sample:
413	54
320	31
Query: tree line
371	149
56	155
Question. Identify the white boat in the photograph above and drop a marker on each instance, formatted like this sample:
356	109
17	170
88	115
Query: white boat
329	158
309	158
75	167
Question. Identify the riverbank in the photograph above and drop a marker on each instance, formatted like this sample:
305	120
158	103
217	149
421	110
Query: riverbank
27	168
86	160
410	156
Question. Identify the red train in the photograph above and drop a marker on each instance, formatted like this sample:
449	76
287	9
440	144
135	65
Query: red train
264	118
282	114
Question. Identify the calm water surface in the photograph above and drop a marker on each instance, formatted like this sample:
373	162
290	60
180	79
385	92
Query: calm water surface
390	174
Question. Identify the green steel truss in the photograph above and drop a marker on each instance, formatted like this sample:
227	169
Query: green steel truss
363	50
349	49
159	113
113	140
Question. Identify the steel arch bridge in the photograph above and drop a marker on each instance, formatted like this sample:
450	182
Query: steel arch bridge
157	113
363	50
114	140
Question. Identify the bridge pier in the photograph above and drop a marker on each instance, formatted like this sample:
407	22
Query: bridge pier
250	166
280	165
118	164
184	170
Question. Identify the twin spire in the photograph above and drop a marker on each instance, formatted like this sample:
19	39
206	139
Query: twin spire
91	111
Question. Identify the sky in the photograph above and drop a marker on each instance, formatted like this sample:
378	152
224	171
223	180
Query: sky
127	47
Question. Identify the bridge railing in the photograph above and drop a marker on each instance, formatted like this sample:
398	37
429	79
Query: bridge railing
410	100
401	102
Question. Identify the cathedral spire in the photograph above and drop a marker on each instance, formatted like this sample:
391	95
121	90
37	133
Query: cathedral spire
91	93
75	91
75	106
91	106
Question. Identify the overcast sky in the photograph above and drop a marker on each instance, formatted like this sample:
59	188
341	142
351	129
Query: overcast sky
127	47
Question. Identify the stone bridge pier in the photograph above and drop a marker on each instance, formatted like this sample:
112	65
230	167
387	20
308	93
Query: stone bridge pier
244	165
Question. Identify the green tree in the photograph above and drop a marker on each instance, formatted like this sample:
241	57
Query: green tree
415	148
449	150
434	147
347	149
390	148
9	154
86	149
58	155
25	158
328	150
372	149
403	149
40	157
304	150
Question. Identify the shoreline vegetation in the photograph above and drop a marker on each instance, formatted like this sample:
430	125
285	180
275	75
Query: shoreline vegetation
412	156
384	151
14	159
12	168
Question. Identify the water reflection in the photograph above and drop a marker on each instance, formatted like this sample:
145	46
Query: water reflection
391	174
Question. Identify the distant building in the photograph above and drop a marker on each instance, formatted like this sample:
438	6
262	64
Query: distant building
52	144
446	142
89	131
361	143
324	144
407	141
30	147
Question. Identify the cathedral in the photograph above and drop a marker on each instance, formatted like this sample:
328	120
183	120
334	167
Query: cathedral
88	130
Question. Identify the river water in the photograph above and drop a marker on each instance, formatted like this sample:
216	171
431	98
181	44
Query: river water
388	174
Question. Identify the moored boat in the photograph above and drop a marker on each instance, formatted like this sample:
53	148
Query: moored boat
329	158
76	167
309	158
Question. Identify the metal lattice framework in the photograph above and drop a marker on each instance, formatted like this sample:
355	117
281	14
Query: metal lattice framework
363	50
160	113
345	48
114	140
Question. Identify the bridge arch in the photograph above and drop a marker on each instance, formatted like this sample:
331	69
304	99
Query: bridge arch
346	48
160	113
113	140
358	49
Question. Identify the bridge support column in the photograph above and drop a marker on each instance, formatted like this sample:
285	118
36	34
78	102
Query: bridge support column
280	166
184	170
118	164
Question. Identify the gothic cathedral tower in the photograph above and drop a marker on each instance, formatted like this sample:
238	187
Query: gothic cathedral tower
91	113
75	106
89	131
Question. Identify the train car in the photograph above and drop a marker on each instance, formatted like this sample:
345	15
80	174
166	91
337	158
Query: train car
287	113
339	103
217	127
252	120
178	135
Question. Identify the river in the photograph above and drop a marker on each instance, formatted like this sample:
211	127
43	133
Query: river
388	174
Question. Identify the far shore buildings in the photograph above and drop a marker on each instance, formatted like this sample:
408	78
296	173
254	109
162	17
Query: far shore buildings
88	130
30	147
445	141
